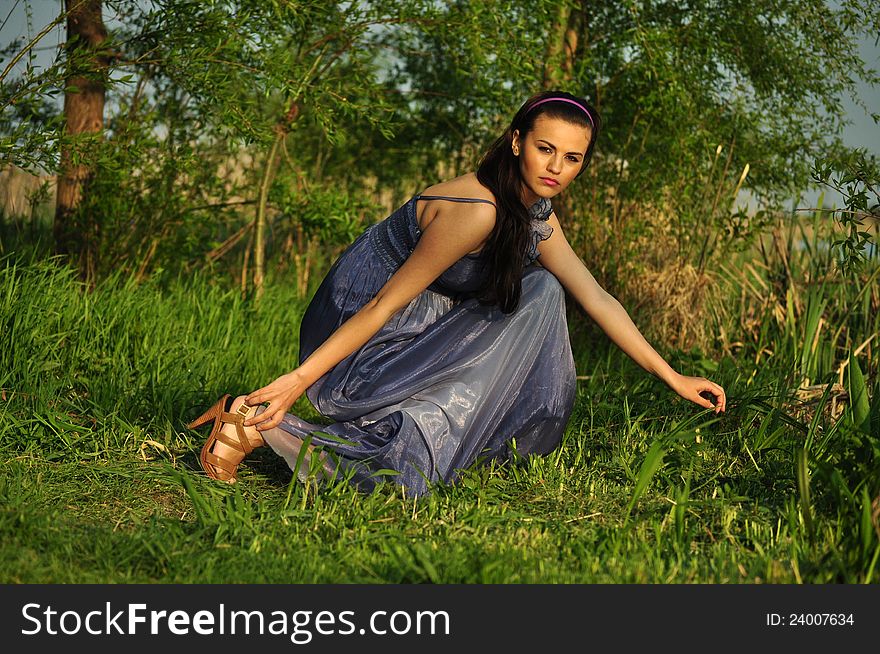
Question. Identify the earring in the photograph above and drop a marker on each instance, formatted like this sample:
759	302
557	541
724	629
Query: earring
515	152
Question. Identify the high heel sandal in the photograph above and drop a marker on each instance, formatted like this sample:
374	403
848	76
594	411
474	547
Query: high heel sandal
213	465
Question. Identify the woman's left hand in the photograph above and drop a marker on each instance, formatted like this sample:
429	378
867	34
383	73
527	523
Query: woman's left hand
280	395
691	387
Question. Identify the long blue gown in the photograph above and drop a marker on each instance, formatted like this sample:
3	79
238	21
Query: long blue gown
447	381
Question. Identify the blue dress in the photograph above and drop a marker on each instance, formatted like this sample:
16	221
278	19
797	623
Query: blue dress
447	381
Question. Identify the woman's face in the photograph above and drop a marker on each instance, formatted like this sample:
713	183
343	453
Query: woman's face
550	156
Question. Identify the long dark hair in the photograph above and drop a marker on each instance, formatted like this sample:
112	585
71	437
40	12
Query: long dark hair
499	172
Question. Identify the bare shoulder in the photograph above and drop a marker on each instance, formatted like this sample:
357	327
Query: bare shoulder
478	217
465	186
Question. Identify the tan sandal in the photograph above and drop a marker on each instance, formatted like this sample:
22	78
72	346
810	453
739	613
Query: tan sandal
213	465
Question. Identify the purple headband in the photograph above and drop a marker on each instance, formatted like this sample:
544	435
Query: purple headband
576	104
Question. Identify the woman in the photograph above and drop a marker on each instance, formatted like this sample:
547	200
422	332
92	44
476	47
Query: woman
436	339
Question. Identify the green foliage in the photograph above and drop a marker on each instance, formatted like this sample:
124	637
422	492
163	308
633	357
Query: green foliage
390	96
857	178
99	480
860	411
30	123
242	63
334	218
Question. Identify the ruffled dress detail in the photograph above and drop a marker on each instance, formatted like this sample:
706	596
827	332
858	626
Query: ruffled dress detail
446	382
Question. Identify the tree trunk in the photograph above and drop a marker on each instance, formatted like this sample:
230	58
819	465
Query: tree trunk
281	130
76	235
260	219
553	62
562	46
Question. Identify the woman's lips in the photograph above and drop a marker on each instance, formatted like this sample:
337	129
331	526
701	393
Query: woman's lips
549	181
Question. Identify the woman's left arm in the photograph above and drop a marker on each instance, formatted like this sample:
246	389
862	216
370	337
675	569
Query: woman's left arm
557	256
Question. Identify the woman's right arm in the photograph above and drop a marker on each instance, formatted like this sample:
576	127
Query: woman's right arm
451	235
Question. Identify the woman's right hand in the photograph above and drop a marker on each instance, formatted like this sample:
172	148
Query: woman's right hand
280	395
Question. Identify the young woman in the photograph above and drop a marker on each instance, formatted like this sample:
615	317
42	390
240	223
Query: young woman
439	337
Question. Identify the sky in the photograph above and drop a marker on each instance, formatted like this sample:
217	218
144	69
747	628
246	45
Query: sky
861	132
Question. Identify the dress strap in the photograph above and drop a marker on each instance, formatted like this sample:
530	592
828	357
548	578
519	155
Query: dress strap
451	199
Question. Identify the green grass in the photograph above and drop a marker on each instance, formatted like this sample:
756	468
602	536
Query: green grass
99	479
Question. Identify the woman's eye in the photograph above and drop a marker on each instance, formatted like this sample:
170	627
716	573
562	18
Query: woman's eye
544	148
574	159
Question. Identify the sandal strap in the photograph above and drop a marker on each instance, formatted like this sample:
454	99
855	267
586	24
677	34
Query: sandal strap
220	464
237	419
234	443
240	443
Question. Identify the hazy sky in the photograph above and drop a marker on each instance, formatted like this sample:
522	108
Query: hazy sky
862	131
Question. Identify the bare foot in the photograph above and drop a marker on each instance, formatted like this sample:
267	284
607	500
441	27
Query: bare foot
231	454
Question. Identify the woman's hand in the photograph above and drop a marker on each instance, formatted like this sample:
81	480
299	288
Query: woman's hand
280	394
690	388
